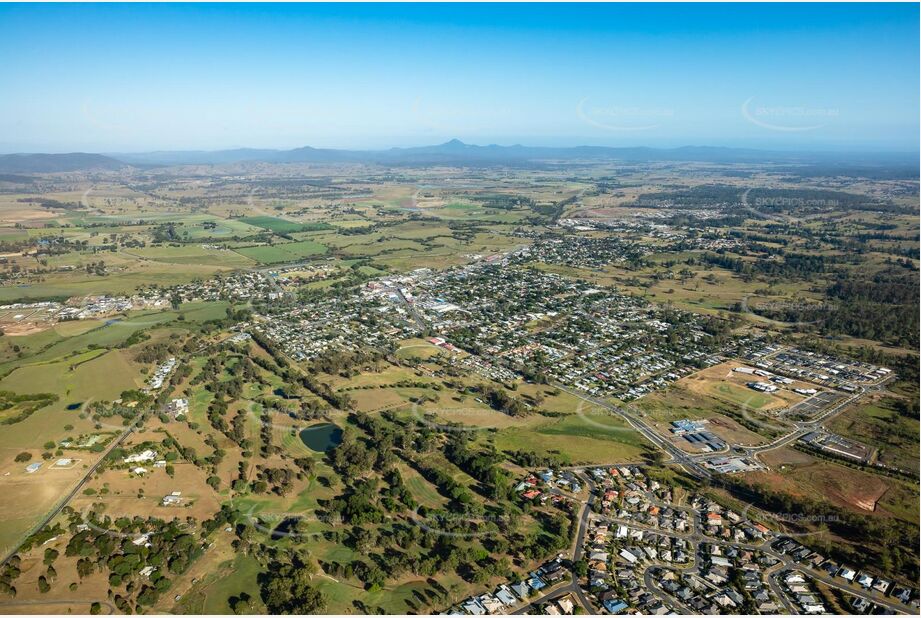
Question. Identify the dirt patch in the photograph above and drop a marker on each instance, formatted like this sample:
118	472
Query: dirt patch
785	457
21	330
734	433
800	475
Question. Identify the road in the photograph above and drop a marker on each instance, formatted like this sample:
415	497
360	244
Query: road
576	552
64	501
679	457
49	517
784	562
411	308
39	602
555	592
692	464
649	581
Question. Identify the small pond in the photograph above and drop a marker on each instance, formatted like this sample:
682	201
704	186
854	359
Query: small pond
286	528
322	437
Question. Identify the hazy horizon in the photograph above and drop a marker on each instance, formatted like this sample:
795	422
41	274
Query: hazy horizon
811	149
138	78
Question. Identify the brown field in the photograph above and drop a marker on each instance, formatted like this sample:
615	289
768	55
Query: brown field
710	381
58	600
800	475
27	497
785	457
377	399
132	495
734	433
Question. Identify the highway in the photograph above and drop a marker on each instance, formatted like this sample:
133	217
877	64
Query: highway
679	457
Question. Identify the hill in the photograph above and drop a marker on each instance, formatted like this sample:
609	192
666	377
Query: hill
458	153
49	163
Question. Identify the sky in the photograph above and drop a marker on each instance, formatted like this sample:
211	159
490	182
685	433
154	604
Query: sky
142	77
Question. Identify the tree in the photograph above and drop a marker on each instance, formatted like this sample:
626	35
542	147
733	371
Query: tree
287	590
241	604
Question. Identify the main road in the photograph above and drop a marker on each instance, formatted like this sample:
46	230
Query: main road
678	456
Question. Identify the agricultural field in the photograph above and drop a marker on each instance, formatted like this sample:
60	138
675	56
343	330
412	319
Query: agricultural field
287	252
75	367
282	226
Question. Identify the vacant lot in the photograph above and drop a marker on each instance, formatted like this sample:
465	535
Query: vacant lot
579	439
721	382
878	424
802	475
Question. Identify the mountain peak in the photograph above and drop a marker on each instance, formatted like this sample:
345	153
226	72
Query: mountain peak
454	143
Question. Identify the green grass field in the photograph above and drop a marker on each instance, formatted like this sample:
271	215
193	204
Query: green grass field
881	426
424	492
741	396
231	577
288	252
132	273
194	254
101	376
283	226
591	439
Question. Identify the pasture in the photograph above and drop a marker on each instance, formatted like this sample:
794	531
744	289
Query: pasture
283	226
280	253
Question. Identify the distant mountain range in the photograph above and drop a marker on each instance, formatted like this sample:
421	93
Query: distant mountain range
49	163
452	153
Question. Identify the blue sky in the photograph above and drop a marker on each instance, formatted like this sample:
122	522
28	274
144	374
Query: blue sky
140	77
